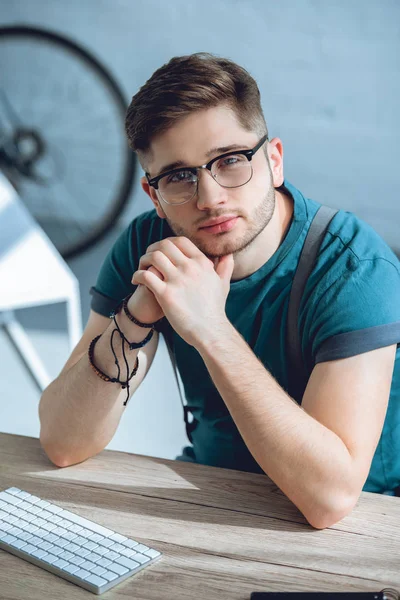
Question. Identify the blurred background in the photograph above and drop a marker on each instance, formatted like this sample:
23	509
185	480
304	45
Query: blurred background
329	76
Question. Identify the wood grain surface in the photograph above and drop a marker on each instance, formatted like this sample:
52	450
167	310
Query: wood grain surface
223	533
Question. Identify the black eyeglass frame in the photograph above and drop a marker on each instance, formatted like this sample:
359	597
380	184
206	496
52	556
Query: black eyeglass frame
247	153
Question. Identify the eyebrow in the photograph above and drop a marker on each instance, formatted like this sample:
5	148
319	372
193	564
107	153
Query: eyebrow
220	150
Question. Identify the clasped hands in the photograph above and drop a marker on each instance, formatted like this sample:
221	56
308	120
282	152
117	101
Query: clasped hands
190	288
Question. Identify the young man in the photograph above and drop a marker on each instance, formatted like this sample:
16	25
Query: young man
211	268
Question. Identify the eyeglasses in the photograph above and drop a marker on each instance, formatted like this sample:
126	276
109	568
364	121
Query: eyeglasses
230	170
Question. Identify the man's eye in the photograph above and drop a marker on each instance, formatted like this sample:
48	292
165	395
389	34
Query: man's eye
185	176
231	161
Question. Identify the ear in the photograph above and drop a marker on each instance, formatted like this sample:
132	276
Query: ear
275	154
151	192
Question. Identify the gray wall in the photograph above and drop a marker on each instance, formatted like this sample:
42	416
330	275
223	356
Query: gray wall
328	72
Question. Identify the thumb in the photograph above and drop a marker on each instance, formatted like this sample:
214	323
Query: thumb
225	266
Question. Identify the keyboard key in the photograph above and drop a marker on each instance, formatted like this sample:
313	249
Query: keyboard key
77	560
109	575
96	580
71	568
61	542
71	547
117	548
54	519
82	574
118	538
19	544
22	494
106	542
111	555
33	499
56	550
29	548
80	540
54	509
141	558
127	562
128	552
50	559
10	498
60	563
39	553
66	555
141	548
119	569
102	551
45	545
90	545
103	562
88	566
31	527
70	535
152	553
34	509
93	557
96	537
13	490
99	571
50	538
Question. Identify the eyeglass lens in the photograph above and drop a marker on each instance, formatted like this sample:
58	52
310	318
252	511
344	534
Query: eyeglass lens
231	171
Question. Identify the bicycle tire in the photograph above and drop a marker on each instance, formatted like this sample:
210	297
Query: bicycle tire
130	167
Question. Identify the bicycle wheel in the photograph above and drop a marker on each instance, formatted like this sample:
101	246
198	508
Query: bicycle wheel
62	115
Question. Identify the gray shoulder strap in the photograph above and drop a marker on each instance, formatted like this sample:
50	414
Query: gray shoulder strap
309	253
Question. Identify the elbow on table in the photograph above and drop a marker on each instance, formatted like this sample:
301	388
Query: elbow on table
329	516
57	457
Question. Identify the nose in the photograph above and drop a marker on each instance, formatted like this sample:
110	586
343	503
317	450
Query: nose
209	192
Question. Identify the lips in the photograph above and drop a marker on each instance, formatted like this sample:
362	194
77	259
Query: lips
218	221
223	226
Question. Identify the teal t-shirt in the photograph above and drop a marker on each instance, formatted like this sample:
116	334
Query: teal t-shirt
350	305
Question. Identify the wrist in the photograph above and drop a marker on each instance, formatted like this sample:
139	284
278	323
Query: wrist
213	339
132	331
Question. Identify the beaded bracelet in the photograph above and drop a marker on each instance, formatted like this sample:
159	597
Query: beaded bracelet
132	318
104	376
133	345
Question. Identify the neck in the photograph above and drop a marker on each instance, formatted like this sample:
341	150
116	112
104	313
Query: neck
267	242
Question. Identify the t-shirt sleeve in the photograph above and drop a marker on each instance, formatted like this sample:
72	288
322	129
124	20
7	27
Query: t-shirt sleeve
115	275
114	278
358	312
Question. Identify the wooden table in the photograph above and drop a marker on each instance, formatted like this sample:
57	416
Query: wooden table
223	533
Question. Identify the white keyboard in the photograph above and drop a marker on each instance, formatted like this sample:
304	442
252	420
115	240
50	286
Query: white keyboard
62	542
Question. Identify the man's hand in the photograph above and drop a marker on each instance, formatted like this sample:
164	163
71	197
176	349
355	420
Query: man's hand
193	292
143	304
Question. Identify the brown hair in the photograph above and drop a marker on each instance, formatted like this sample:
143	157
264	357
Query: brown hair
186	84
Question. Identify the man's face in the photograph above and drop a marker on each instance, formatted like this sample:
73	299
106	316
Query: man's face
190	141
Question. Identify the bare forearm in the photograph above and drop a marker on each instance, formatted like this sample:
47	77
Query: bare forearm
79	412
308	461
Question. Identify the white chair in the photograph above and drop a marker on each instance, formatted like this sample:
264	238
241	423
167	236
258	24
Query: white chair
32	273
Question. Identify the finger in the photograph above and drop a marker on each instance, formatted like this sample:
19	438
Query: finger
150	280
158	260
185	246
153	270
167	247
225	267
